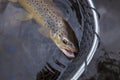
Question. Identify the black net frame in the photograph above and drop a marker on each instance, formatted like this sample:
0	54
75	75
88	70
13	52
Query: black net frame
87	39
48	72
88	25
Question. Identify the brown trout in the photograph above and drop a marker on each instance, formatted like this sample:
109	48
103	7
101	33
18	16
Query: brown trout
46	14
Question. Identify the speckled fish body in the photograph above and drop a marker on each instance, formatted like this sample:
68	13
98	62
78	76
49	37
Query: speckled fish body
48	15
44	12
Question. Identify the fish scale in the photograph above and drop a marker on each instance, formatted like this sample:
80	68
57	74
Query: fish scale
50	19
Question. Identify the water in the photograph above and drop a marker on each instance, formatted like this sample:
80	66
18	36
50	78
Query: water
25	54
24	49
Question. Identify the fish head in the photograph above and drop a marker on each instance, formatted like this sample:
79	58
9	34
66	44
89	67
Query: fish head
67	41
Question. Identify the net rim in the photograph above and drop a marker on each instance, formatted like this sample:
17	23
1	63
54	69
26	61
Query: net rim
94	45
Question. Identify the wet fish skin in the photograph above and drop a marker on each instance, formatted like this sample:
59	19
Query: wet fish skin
45	13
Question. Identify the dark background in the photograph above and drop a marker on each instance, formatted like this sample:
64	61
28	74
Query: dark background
106	62
18	63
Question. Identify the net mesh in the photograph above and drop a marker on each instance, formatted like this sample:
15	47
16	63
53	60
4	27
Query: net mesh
58	67
85	45
87	39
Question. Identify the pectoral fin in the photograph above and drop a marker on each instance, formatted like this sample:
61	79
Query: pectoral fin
44	31
25	16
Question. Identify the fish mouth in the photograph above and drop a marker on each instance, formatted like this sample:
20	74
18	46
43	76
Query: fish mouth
68	53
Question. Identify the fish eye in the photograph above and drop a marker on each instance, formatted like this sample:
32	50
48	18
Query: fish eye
65	41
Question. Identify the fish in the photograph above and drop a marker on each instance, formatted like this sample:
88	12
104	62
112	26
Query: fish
46	14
